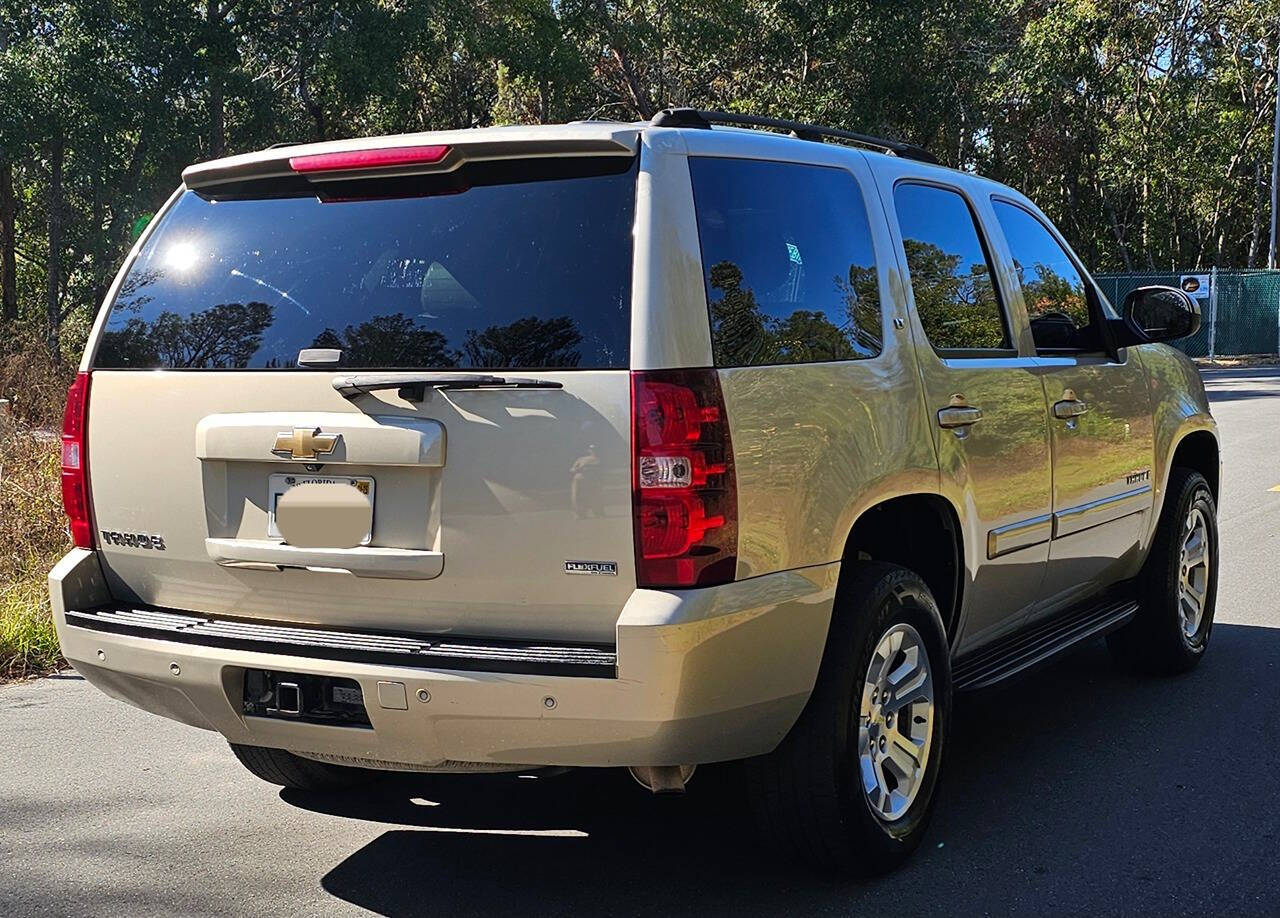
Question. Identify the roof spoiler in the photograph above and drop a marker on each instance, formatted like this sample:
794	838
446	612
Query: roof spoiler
462	146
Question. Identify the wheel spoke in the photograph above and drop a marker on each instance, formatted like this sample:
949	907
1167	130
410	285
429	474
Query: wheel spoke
904	756
870	774
882	783
910	666
918	689
887	652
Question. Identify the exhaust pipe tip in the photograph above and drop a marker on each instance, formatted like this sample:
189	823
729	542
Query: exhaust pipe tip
662	779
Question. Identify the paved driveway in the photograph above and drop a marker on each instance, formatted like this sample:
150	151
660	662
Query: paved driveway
1077	791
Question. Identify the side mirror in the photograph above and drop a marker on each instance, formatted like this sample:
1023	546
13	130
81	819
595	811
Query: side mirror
1159	314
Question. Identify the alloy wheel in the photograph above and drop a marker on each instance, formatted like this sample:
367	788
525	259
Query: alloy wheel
895	725
1193	572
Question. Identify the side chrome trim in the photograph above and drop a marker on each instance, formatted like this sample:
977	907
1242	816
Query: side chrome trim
1105	510
1022	534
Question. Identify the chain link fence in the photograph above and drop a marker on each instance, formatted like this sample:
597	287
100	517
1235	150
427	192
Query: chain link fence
1240	310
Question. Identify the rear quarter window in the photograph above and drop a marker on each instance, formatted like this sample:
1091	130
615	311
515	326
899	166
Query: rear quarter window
524	264
788	262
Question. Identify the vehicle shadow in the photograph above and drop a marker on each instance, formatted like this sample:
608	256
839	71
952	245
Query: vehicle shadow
1078	790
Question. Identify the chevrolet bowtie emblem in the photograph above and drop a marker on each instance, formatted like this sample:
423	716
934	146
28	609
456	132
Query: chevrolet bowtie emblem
305	443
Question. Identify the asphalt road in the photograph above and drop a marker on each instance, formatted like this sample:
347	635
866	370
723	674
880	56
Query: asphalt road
1078	791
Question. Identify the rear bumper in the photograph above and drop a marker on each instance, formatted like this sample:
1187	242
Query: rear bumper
702	675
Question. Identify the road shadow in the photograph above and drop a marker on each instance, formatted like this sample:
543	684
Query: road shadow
1078	790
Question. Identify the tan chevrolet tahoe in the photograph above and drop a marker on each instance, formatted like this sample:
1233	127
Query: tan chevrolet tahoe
708	439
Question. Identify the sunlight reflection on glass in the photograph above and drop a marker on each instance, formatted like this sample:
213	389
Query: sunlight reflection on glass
181	256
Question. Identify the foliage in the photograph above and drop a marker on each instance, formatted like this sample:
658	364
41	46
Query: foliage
1143	129
33	535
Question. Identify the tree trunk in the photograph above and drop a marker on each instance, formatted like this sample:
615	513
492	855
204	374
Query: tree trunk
53	285
8	242
639	99
644	108
217	114
8	230
215	18
1119	236
123	191
1259	202
314	108
1274	255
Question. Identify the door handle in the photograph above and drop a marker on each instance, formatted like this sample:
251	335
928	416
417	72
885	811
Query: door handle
1069	408
954	416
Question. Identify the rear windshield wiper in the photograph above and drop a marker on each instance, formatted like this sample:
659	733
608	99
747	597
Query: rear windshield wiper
413	388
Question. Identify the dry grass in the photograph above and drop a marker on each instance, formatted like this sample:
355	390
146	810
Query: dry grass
32	529
1249	360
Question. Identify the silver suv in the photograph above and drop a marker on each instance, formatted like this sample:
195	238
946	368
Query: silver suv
643	445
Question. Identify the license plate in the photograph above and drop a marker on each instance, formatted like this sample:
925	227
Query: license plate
278	484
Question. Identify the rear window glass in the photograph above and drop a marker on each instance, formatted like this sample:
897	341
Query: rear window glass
790	267
525	265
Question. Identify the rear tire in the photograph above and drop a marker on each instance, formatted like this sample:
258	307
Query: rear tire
1178	586
821	795
278	766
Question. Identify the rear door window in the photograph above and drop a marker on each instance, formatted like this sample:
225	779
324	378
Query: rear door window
949	270
789	264
524	264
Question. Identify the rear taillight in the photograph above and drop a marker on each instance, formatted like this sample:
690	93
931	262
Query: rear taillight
75	462
685	499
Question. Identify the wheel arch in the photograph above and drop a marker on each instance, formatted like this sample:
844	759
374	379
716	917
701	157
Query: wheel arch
918	531
1198	450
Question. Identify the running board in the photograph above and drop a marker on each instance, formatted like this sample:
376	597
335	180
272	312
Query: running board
1019	652
421	651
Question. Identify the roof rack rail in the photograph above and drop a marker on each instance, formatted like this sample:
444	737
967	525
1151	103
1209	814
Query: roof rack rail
699	118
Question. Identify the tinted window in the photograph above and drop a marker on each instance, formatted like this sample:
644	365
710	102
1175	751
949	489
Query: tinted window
950	273
1052	288
492	267
790	269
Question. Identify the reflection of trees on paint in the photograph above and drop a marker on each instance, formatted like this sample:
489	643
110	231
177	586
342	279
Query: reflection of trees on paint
225	336
389	341
529	342
745	335
957	310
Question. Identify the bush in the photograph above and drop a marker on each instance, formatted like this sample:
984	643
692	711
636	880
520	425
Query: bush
28	643
32	380
33	533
